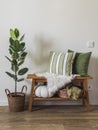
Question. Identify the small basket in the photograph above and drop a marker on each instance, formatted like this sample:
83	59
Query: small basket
63	93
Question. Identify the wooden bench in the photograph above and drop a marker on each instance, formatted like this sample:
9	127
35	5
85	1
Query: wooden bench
35	79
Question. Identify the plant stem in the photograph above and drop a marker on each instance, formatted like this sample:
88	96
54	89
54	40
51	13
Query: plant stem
15	83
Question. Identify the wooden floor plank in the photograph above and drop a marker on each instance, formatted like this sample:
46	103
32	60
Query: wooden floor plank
50	118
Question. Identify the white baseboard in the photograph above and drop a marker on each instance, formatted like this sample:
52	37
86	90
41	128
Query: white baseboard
4	103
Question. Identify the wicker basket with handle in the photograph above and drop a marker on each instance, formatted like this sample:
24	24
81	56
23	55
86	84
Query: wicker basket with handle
16	102
62	93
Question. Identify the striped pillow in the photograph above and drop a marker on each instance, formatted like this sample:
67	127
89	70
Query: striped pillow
61	63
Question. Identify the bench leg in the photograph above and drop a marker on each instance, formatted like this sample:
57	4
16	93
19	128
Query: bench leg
86	98
31	96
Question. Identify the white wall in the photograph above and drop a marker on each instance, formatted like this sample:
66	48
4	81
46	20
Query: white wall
49	25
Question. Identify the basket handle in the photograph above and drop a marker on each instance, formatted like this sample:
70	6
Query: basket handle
23	88
7	91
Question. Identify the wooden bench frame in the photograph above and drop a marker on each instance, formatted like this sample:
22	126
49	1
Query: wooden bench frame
35	79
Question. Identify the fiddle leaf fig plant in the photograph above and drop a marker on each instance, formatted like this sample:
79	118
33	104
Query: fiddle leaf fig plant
17	56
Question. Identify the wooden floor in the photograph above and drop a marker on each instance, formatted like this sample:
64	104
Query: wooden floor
50	118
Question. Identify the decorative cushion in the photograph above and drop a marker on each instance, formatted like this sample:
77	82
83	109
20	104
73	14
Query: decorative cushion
81	63
61	63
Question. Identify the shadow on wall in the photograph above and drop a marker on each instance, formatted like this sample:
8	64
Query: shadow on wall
40	51
93	67
39	56
94	73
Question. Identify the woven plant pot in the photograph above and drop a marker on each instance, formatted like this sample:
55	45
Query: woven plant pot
16	102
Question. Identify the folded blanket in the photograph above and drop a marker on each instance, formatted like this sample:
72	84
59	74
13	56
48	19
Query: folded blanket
74	92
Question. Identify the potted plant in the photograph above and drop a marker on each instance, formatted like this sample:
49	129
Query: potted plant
18	54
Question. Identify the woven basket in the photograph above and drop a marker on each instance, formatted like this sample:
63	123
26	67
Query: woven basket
63	93
16	102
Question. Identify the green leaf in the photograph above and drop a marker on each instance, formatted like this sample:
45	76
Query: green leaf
13	49
14	62
20	79
22	37
10	51
12	34
22	71
21	46
8	59
24	54
15	56
17	46
14	67
21	59
21	62
11	75
11	41
16	32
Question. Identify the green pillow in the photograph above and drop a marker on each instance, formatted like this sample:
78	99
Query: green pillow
81	63
60	63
